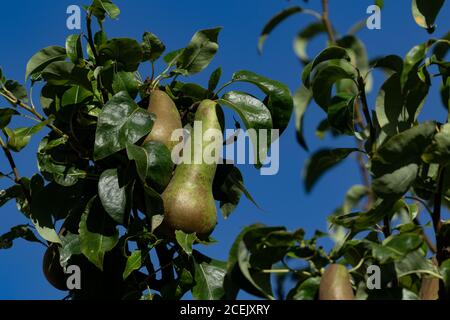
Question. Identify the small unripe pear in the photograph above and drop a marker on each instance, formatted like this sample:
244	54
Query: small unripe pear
335	284
167	118
188	199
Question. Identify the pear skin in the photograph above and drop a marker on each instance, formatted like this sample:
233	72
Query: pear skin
53	271
335	284
167	118
429	289
188	199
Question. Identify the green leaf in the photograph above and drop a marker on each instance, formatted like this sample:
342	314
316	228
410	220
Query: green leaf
425	12
74	49
17	90
416	263
395	164
389	105
303	38
6	115
70	246
10	193
279	99
341	113
63	73
302	99
321	161
306	290
199	52
20	137
255	115
274	22
152	47
228	188
134	262
42	219
209	278
172	57
214	79
94	244
127	53
439	150
17	232
112	195
153	162
331	53
396	247
125	81
43	58
75	95
390	63
186	241
120	123
102	8
323	81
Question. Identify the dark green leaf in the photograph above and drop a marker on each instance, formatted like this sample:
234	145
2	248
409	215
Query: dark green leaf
74	49
154	207
279	99
153	162
70	246
112	195
17	232
120	123
152	47
63	73
75	95
17	90
341	113
396	247
321	161
199	52
302	99
274	22
331	53
43	58
304	37
389	105
416	263
102	8
6	115
439	150
125	81
306	290
94	244
127	53
425	12
214	79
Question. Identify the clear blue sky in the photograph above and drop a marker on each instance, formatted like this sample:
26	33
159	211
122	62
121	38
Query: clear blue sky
32	25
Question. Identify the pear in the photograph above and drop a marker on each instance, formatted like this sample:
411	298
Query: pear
53	271
335	284
167	118
189	204
429	289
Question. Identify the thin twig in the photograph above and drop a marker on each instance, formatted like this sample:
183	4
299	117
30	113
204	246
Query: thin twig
326	21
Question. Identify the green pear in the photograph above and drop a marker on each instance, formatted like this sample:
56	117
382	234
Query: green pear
335	284
167	118
189	204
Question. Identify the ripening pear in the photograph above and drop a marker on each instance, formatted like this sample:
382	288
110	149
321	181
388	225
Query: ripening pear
167	118
429	289
335	284
189	205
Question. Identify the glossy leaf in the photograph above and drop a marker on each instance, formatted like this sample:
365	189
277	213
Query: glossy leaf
214	79
279	99
439	150
125	81
43	58
341	113
120	123
70	246
63	73
112	195
127	53
306	290
103	8
5	116
209	278
20	137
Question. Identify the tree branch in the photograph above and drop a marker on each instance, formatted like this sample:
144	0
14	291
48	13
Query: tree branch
326	21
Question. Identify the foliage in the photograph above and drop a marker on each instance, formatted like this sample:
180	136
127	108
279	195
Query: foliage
96	176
